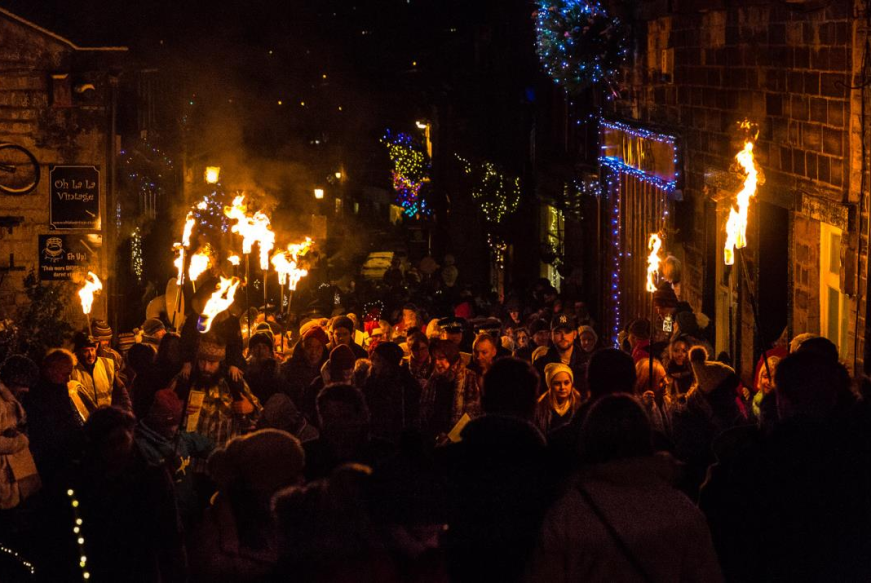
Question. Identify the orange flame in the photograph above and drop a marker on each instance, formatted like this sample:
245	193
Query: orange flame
286	263
220	300
179	261
654	244
188	229
200	262
233	259
253	229
736	225
86	294
265	238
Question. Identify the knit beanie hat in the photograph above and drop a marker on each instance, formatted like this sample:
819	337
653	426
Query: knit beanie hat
211	349
343	322
19	371
260	338
152	326
710	374
101	330
125	341
264	461
342	358
389	351
317	333
553	369
588	330
82	339
664	296
166	410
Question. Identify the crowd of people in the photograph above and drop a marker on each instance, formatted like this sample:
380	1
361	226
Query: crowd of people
461	439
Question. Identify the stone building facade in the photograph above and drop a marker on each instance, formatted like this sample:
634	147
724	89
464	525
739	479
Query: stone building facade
56	101
795	69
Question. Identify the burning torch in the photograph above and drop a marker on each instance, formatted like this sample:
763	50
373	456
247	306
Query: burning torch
654	244
86	294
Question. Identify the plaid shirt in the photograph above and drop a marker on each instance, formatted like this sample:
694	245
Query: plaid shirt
218	422
466	398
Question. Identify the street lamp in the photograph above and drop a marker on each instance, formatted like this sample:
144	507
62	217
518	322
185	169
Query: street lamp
338	175
319	193
212	174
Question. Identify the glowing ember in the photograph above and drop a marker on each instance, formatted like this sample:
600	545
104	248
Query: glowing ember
654	244
220	301
92	286
233	259
202	205
212	174
736	226
200	262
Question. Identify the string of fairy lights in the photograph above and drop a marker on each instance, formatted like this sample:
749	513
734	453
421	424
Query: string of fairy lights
79	534
411	167
579	43
616	170
498	194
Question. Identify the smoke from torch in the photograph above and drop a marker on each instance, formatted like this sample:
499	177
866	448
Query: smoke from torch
654	244
86	294
736	225
220	300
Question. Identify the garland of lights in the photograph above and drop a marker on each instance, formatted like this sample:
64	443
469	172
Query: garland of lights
578	43
410	171
497	194
80	538
136	253
616	253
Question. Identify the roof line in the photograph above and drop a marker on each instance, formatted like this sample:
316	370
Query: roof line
55	36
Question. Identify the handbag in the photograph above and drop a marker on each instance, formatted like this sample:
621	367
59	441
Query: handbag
24	471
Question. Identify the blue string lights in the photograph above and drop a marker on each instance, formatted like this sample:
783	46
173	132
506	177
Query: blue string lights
615	171
410	172
578	43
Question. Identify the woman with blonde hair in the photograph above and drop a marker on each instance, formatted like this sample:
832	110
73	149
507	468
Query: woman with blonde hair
558	405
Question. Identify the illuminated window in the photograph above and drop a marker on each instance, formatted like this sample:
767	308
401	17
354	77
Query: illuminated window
833	303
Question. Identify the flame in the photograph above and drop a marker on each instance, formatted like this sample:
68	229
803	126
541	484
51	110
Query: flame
233	259
92	286
220	300
736	226
179	261
252	229
200	262
286	263
203	205
188	229
654	244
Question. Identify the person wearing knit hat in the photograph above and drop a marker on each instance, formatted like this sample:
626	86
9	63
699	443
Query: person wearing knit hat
342	330
101	330
99	382
340	364
304	366
236	535
557	406
664	299
152	331
711	407
217	406
158	437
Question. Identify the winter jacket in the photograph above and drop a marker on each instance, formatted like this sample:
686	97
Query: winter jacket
578	363
100	386
444	400
394	403
12	441
299	374
176	454
55	431
663	530
696	423
546	418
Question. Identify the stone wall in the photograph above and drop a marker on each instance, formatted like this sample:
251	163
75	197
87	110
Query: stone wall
788	69
55	134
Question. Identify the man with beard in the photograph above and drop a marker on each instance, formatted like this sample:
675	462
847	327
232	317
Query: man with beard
564	350
217	406
451	391
97	376
263	374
